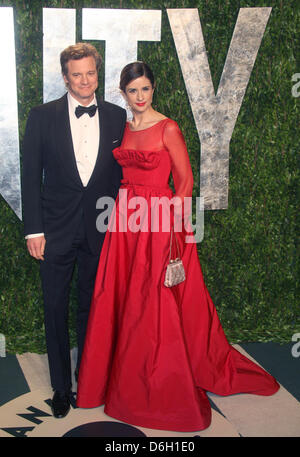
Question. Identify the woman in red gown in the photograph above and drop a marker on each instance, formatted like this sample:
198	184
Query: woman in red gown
152	351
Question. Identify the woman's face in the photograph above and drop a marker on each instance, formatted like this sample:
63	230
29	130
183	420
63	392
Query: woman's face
139	93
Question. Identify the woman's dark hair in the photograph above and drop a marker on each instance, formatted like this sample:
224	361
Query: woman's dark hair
133	71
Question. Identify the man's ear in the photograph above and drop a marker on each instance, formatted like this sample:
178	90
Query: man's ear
65	79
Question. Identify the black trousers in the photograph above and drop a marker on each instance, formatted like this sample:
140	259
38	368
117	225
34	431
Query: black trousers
56	275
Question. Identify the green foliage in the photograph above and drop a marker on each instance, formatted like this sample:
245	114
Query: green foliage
249	252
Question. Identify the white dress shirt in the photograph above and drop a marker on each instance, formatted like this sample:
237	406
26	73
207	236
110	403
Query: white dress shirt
85	136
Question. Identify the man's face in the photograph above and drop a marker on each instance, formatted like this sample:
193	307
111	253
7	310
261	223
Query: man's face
82	79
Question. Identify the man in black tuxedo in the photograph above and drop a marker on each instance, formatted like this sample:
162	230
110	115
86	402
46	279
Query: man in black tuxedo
67	166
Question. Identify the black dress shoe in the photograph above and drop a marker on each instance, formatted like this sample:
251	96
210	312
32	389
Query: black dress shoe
60	404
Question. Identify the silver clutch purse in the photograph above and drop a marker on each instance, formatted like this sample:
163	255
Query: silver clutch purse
175	273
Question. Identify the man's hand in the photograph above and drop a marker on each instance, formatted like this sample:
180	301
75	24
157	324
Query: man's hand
36	247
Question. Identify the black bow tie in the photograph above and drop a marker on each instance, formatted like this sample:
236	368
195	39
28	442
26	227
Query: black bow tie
91	110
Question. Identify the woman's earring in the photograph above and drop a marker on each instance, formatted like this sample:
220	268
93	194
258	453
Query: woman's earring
127	106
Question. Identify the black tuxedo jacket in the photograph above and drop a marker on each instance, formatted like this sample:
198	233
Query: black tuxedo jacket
54	198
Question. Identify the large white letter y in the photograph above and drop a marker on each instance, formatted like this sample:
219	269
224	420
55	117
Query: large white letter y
215	115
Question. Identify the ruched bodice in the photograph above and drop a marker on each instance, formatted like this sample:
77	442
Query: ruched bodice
146	157
151	168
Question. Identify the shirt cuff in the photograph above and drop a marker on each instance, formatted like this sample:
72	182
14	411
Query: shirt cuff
33	235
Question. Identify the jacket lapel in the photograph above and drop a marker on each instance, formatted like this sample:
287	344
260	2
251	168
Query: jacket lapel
65	144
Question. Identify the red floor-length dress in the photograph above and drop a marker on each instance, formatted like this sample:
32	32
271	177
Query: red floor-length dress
152	352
